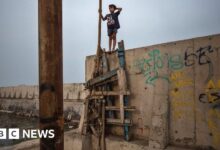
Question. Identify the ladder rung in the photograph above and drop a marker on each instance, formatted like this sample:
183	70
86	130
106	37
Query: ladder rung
94	97
110	93
118	122
126	108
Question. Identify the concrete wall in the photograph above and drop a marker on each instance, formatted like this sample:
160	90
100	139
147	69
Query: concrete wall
176	90
24	100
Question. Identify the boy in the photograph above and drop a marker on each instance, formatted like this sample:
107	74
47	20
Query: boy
112	24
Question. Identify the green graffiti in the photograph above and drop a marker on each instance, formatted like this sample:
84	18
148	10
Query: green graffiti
150	66
155	61
175	62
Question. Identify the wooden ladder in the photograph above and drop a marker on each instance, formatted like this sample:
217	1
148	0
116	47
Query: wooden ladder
100	109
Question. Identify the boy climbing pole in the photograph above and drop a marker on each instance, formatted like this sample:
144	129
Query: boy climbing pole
112	25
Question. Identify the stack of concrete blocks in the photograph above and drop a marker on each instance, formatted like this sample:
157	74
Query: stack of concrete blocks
24	100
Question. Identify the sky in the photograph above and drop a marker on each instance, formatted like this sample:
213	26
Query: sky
143	23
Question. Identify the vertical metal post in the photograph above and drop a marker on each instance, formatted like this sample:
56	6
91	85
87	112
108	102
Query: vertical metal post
51	72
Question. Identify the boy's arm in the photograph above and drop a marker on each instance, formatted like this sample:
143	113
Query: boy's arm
100	13
103	19
119	9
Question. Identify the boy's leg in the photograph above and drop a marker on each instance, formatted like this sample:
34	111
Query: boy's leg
114	40
110	31
110	43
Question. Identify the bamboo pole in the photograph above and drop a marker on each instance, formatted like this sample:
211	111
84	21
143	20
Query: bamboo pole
51	72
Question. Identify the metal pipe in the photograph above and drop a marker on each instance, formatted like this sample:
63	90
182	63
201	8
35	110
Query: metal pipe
51	72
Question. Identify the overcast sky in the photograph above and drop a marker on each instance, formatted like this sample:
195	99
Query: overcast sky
143	22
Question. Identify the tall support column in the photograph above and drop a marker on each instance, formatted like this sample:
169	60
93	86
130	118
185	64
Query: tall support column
51	72
99	28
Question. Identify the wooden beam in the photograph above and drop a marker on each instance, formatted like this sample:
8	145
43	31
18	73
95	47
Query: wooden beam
83	125
93	130
118	122
121	103
51	72
95	97
99	29
110	93
122	81
103	146
101	78
126	108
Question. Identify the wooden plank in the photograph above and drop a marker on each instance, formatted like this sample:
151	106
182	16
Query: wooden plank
111	80
118	122
122	82
121	103
83	117
126	108
103	146
93	130
110	93
121	54
101	78
95	97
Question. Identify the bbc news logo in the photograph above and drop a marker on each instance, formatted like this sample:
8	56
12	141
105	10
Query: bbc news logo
16	133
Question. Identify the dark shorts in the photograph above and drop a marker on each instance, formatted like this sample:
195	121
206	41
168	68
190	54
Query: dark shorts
111	31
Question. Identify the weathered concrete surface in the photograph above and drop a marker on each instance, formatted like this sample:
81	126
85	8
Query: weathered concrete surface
73	141
176	90
174	86
24	100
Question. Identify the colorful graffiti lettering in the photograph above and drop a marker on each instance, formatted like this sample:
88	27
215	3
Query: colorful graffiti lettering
213	125
180	100
212	93
175	62
201	55
150	66
156	61
211	96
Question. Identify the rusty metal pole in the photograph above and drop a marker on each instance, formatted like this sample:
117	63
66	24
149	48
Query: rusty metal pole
51	72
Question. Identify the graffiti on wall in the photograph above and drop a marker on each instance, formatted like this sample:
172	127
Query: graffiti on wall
212	92
154	62
201	57
211	98
151	65
180	101
173	68
213	120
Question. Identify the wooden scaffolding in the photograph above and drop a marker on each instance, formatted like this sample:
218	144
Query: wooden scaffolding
107	104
